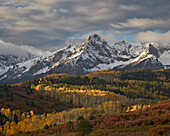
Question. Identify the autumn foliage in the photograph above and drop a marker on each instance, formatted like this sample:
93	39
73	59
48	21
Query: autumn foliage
100	103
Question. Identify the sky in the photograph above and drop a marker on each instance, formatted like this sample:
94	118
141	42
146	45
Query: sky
49	24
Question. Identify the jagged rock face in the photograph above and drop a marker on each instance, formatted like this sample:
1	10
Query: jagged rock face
11	60
148	59
92	55
152	50
150	63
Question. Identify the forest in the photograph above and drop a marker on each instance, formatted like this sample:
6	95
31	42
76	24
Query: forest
113	100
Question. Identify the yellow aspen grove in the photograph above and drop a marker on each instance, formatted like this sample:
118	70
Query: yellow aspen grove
32	113
35	122
81	97
6	112
40	87
12	129
1	131
6	128
23	116
23	125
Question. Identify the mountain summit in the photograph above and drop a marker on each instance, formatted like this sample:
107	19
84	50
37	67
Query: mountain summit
92	55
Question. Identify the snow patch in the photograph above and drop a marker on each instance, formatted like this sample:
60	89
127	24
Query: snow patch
165	58
109	66
41	71
3	77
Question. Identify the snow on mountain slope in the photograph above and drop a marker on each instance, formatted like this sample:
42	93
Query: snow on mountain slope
93	54
153	57
11	54
10	60
129	49
165	58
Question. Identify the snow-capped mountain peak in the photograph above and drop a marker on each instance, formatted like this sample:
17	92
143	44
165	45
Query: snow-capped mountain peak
148	59
94	37
11	54
93	54
152	50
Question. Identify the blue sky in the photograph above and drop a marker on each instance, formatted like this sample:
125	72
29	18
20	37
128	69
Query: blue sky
48	24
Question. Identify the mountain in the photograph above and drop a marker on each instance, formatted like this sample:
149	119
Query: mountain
11	59
7	60
92	55
11	54
151	58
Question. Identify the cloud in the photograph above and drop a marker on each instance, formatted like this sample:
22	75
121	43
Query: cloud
109	36
130	7
34	50
47	24
13	3
12	49
143	23
150	36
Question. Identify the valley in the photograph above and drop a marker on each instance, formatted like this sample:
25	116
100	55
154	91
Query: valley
46	106
84	68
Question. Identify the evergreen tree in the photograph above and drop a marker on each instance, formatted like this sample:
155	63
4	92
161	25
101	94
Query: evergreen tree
84	127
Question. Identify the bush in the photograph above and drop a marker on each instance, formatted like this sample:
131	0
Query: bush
91	117
46	126
69	125
80	118
28	132
159	112
159	130
84	127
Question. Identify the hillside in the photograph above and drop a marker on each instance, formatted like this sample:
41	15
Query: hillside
55	100
26	99
150	121
148	84
142	75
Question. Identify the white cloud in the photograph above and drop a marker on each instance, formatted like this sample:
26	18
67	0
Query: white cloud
109	36
130	7
12	49
34	50
142	23
16	2
48	23
150	36
63	10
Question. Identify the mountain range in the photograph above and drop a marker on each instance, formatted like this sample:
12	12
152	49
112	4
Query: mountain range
91	55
